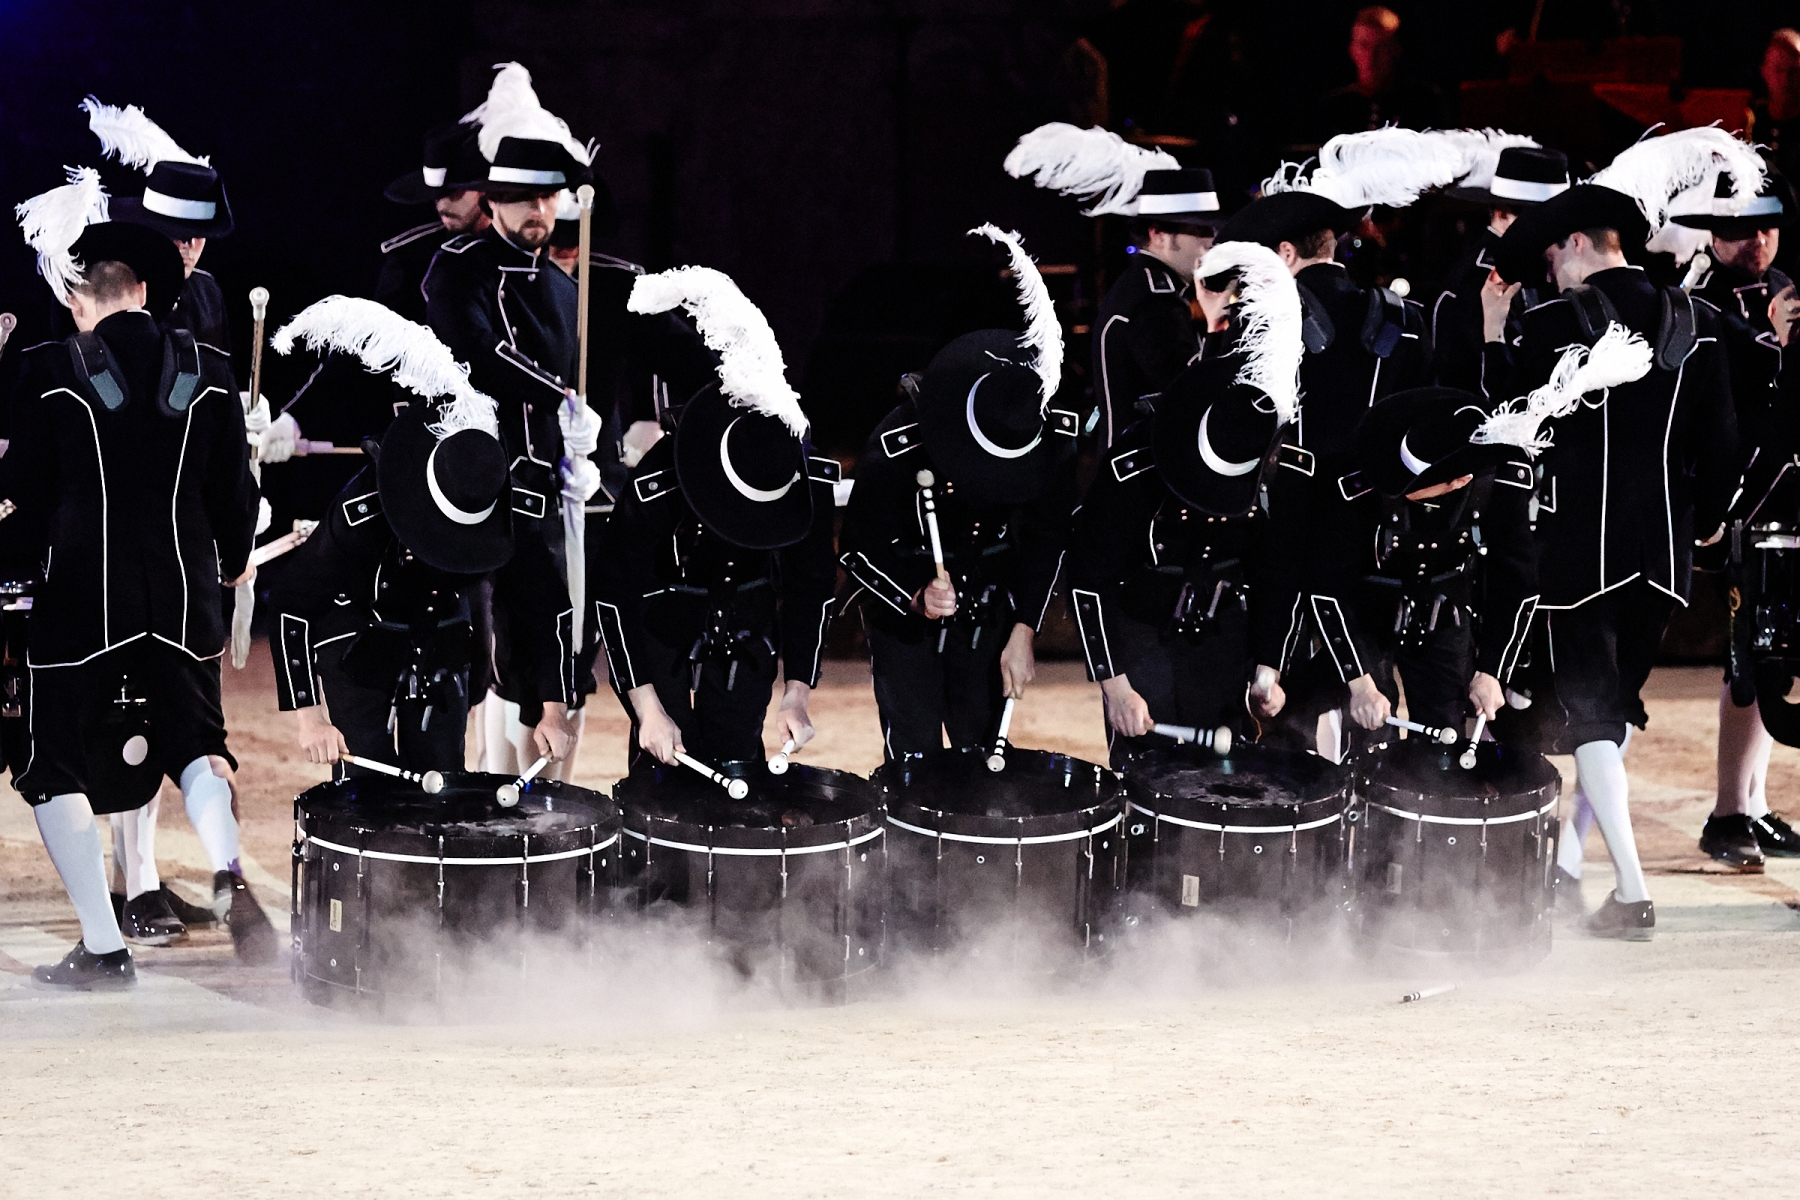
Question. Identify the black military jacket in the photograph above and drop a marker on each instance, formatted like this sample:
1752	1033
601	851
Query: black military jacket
1752	351
664	583
405	258
1144	336
200	309
354	583
1003	559
130	471
1456	321
1638	472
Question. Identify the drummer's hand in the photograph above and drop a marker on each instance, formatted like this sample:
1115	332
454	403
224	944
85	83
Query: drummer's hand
1486	694
552	738
1784	311
657	731
1368	707
1018	661
1717	534
1126	711
792	722
936	599
319	739
1266	692
1496	302
246	577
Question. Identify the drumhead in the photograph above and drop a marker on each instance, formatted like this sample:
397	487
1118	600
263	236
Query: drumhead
808	808
1424	779
1039	794
383	816
1253	786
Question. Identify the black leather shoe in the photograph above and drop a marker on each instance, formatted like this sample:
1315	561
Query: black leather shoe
251	934
1568	895
82	971
1732	840
1635	922
190	914
150	922
1776	837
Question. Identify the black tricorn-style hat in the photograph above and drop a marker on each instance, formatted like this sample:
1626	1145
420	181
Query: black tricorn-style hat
1286	217
449	501
1180	197
982	415
1520	255
1212	436
1416	439
743	472
1524	176
1773	208
151	256
452	162
181	200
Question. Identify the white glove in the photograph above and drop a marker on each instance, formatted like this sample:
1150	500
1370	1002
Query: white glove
580	429
256	416
638	439
277	442
265	516
580	479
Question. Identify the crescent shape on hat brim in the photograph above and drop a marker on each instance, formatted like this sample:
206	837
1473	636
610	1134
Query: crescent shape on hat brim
760	495
988	444
1212	458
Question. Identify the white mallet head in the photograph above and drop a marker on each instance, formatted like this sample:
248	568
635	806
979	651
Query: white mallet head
432	782
1447	735
778	765
1221	740
507	794
996	762
259	302
925	478
737	789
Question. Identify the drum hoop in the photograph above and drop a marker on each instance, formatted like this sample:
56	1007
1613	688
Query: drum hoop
756	851
510	861
1034	840
1211	828
1430	819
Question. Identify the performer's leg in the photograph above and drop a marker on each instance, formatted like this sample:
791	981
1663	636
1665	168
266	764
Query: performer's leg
972	694
1600	767
72	837
206	790
134	845
909	680
729	710
1730	833
497	752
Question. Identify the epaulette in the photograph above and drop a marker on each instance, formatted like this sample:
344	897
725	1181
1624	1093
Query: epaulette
653	486
200	345
410	236
460	243
1353	486
613	264
1172	288
358	509
528	503
1062	421
899	440
1514	474
1132	463
824	470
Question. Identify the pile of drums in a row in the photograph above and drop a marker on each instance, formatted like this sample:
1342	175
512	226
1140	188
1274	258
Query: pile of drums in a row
820	875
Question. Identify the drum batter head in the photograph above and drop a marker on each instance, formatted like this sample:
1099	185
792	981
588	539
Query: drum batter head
1035	784
1250	778
1423	769
800	798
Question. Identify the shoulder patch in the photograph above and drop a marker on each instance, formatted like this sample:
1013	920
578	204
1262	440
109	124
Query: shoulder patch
899	440
1064	422
358	509
824	470
460	243
654	486
1132	463
1167	287
411	235
1352	486
528	503
1514	474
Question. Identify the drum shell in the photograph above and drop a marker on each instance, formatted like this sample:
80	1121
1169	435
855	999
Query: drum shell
429	909
1454	872
1046	885
814	895
1220	855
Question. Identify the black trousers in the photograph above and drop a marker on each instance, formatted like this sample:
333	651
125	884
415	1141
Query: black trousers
923	694
425	734
1186	681
1599	655
721	715
1435	671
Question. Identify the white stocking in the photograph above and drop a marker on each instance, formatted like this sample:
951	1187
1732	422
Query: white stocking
1600	768
72	837
134	848
208	798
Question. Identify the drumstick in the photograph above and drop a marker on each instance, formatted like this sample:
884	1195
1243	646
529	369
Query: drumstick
997	760
926	480
1218	740
508	793
431	781
1446	735
1467	761
737	789
779	764
1427	993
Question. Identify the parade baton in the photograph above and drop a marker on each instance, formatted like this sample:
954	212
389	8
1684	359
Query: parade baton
431	781
243	605
1445	735
508	793
1217	740
926	480
575	511
1697	269
996	761
737	789
779	764
1467	761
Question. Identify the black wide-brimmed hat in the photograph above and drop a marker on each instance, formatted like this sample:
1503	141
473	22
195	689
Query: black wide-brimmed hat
983	417
181	200
448	501
534	165
1287	217
1520	255
151	256
1212	436
743	472
1415	439
1524	176
452	162
1181	197
1773	208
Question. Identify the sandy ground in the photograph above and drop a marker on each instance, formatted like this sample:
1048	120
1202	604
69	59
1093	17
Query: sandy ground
1612	1069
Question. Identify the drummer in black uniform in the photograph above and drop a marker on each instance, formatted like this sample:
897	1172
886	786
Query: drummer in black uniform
450	180
979	441
716	571
1521	177
1168	573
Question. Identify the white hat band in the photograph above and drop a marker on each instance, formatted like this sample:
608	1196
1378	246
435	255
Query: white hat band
523	175
174	206
1176	202
1762	206
434	176
461	516
1525	189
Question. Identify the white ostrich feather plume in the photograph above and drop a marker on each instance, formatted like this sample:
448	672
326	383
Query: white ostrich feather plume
1620	356
386	341
751	371
1094	164
1481	149
53	221
512	110
1659	169
1391	166
1269	312
133	138
1043	333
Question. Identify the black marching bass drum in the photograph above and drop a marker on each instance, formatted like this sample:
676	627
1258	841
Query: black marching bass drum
790	881
1765	624
1022	862
1258	835
402	895
1456	862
